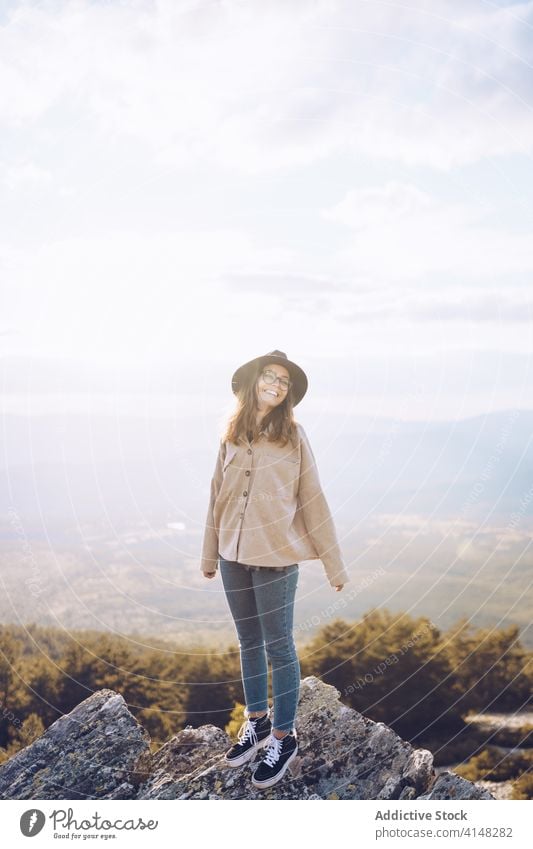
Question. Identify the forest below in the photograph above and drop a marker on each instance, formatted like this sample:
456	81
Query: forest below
391	667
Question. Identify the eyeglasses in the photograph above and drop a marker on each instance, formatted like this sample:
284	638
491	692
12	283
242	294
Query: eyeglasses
271	377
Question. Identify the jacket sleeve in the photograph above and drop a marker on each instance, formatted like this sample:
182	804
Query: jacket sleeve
209	558
317	516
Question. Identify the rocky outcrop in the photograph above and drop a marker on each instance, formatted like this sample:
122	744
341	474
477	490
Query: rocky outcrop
84	754
99	751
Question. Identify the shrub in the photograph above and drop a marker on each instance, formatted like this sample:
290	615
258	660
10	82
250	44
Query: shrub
493	765
523	787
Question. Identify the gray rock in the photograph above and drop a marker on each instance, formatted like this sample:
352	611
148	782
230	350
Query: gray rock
499	789
185	755
448	785
96	751
99	751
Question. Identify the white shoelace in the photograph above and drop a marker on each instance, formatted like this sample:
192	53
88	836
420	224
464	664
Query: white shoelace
273	751
247	732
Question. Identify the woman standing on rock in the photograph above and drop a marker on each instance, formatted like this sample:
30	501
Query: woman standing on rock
267	512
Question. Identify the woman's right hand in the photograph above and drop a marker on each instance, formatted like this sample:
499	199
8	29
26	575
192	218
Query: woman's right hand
209	574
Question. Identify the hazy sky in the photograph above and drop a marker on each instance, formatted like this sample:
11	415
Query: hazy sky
189	184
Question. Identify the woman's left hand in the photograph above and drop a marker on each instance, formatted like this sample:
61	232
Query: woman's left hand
338	588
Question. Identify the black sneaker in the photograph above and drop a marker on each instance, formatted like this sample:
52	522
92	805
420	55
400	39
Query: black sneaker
253	734
274	764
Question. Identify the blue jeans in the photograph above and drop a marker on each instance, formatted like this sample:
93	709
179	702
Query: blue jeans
261	601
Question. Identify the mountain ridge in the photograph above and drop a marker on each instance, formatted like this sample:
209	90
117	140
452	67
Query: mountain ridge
100	751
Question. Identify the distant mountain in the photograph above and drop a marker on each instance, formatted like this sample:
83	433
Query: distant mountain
55	469
101	522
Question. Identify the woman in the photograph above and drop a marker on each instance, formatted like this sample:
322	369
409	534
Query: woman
267	512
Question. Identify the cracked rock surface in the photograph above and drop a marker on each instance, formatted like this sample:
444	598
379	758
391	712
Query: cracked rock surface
85	754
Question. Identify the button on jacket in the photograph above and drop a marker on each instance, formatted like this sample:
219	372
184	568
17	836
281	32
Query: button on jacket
267	508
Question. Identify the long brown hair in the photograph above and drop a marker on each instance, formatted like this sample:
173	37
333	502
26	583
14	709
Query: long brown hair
279	422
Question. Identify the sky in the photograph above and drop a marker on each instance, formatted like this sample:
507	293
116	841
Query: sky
188	184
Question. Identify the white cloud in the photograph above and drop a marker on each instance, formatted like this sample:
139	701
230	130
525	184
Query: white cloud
403	234
259	86
23	174
131	296
168	163
379	205
419	306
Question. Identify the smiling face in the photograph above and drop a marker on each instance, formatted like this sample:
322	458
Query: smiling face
270	395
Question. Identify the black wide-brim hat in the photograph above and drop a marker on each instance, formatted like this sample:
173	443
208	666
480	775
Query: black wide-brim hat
298	376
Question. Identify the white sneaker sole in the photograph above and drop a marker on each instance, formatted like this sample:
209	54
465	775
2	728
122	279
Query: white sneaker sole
268	782
247	756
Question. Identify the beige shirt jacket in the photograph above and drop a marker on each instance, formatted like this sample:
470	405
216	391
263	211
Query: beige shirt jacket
267	508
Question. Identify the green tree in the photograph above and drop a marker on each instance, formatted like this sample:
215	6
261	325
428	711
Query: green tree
492	667
31	728
213	682
389	667
235	721
523	787
494	765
